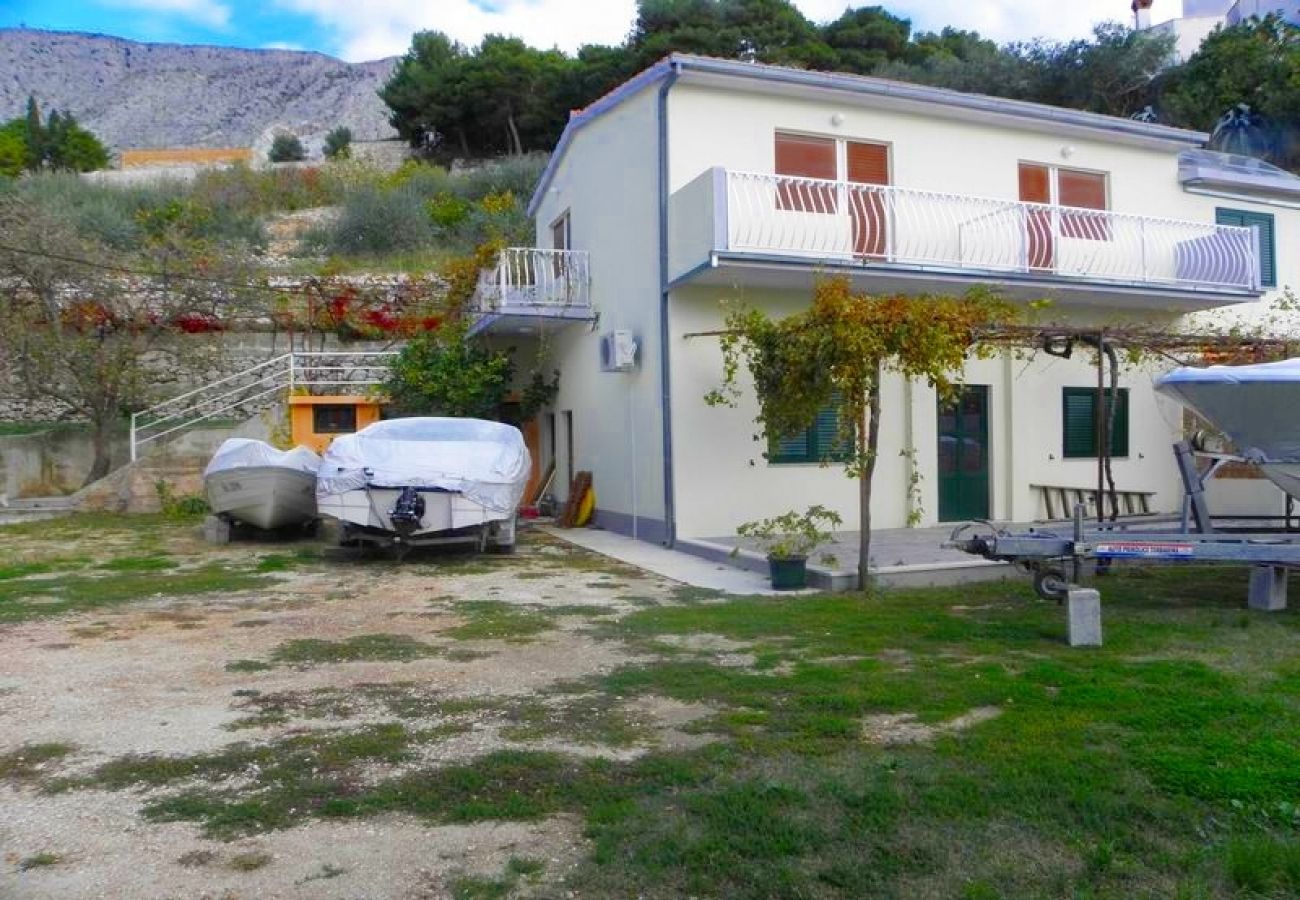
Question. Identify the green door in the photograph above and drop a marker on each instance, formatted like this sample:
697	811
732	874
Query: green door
964	456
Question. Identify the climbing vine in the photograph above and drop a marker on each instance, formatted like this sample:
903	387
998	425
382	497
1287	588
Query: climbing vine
839	349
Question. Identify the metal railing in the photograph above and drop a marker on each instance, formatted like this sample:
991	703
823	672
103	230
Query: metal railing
862	223
529	279
243	392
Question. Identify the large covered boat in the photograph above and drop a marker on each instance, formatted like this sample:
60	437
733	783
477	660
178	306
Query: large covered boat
1255	406
425	481
252	482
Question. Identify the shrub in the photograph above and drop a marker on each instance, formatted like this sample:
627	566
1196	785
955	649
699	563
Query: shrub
498	218
448	211
516	175
338	143
375	222
286	148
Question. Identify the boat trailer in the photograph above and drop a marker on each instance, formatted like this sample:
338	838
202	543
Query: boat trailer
1058	558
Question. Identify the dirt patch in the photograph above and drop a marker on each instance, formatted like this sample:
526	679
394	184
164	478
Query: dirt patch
180	676
893	729
105	852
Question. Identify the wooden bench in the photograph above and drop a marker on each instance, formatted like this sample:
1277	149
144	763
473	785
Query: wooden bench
1060	501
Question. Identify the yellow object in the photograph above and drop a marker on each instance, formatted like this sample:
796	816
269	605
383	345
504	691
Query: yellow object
585	509
316	420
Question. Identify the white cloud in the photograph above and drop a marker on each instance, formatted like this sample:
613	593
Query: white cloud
369	29
211	13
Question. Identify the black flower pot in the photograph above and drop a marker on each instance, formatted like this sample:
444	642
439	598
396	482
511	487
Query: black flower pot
789	573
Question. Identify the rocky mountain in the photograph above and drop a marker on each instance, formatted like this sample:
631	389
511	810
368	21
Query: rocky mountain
135	95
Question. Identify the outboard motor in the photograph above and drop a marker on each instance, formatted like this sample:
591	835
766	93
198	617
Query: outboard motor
407	512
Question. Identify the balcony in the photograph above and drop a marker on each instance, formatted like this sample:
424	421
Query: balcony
531	290
757	230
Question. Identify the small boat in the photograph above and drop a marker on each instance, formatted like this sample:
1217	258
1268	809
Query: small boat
254	483
425	481
1254	406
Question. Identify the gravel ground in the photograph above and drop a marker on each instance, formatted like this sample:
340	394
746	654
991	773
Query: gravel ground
151	677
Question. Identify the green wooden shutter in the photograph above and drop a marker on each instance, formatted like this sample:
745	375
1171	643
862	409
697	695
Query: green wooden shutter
818	443
1267	240
792	449
1080	420
1119	436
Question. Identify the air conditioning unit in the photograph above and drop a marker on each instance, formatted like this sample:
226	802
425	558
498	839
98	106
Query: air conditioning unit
618	351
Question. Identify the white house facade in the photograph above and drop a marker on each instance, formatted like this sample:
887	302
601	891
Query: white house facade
703	181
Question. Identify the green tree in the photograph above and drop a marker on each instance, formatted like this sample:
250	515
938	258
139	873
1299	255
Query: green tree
424	94
286	148
13	154
443	373
37	145
338	143
840	349
1256	63
866	38
72	148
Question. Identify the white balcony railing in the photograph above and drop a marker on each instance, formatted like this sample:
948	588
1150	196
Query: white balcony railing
538	282
867	224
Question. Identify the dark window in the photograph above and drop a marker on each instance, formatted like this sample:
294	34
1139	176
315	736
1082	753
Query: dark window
1267	248
1079	411
823	442
334	419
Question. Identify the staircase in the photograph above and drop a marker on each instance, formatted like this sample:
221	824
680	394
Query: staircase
258	387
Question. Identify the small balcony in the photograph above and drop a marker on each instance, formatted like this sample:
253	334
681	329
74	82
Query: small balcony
530	290
758	230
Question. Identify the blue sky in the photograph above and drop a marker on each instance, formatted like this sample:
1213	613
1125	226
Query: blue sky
367	29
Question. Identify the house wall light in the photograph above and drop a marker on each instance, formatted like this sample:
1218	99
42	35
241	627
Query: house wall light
837	119
1067	151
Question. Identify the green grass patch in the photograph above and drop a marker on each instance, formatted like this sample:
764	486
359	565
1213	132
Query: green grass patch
42	860
497	620
24	599
29	762
476	887
251	861
362	648
139	564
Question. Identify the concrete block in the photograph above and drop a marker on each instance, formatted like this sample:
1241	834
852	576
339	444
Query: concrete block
1268	588
216	530
1085	617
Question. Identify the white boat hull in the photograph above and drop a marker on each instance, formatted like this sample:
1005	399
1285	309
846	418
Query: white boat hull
265	497
448	517
1284	475
1258	416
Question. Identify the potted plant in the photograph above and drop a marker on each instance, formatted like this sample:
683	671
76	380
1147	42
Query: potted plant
788	539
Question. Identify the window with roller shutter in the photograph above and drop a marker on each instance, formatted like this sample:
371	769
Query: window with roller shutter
1079	415
802	156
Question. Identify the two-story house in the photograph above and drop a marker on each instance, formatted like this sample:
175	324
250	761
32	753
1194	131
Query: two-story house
702	179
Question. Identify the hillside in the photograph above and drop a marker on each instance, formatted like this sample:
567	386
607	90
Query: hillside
136	95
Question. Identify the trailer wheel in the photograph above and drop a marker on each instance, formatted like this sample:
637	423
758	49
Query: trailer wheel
1051	584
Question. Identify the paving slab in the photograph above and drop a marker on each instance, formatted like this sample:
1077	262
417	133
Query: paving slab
674	564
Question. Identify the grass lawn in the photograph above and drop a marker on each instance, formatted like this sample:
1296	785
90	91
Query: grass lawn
919	743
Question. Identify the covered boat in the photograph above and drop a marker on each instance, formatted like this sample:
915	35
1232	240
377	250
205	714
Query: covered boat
1255	406
252	482
425	481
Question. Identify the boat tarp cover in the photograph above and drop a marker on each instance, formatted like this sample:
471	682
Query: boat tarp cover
245	453
1253	405
485	461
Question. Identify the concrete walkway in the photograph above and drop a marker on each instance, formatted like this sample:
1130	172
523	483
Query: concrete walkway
900	557
683	567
